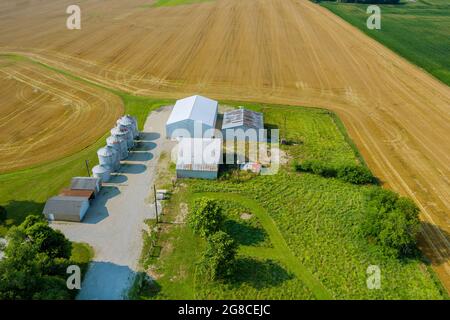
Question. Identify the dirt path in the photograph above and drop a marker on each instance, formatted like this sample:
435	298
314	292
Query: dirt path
114	223
276	51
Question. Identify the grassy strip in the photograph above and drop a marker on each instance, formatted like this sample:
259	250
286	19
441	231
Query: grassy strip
280	245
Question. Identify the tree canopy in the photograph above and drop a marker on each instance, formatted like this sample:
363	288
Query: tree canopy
35	263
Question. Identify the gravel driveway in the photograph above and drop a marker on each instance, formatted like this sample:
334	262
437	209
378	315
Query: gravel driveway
114	223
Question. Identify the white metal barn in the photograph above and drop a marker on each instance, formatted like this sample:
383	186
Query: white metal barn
192	117
199	158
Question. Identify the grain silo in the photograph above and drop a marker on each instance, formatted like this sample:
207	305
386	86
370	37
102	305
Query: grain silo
125	133
120	144
130	123
108	157
102	172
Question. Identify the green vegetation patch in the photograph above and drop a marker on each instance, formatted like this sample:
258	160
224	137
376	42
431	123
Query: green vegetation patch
416	30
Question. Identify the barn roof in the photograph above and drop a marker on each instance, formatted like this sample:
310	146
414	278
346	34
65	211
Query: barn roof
195	108
199	154
84	183
77	193
64	204
243	117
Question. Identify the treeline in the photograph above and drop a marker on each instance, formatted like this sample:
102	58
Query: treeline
35	262
364	1
356	174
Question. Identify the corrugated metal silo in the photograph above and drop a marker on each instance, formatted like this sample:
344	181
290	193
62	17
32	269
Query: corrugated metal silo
120	144
125	133
108	157
130	123
102	172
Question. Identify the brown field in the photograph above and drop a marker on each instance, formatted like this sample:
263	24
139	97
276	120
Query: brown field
45	116
277	51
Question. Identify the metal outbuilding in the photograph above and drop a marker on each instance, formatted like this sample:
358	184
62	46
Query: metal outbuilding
66	208
239	121
199	158
86	183
191	113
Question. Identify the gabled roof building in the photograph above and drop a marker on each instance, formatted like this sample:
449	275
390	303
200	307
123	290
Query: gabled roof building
192	117
244	120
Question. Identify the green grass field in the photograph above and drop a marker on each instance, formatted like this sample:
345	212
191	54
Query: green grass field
417	31
302	242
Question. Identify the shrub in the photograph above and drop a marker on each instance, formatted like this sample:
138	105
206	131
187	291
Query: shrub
206	217
349	173
392	221
355	174
219	256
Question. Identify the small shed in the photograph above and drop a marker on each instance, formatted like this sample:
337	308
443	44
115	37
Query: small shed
239	121
192	117
90	194
199	158
86	183
66	208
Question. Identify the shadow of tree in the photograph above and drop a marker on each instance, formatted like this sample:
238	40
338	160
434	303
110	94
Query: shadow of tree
244	234
258	273
17	211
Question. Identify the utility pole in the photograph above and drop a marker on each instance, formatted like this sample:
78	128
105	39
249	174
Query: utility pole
87	168
156	203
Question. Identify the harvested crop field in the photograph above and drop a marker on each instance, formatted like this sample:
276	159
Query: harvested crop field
45	116
278	51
